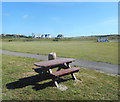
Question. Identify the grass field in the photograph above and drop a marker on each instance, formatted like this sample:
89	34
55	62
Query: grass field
89	50
20	83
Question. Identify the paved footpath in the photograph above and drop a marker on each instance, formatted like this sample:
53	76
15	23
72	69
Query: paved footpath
101	66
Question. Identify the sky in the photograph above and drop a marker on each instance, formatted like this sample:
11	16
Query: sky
71	19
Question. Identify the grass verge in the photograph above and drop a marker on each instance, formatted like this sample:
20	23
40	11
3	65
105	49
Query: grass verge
88	50
20	82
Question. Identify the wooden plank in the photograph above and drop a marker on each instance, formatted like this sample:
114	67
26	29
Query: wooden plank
53	62
65	71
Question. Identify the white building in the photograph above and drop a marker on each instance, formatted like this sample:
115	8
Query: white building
41	36
48	36
36	35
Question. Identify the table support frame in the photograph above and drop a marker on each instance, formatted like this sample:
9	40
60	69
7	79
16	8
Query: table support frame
65	65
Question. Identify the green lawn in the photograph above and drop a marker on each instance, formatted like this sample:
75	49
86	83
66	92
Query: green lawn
94	85
89	50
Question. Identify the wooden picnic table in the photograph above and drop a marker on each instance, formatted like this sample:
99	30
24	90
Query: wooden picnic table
54	62
61	63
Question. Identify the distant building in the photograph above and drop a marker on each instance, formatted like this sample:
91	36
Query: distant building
36	35
41	36
102	39
48	36
60	36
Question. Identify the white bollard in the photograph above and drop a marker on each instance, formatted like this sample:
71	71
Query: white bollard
52	56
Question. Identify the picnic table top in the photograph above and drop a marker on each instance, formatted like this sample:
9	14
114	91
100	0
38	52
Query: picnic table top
54	62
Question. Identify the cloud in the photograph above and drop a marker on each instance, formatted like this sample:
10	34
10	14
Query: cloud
25	16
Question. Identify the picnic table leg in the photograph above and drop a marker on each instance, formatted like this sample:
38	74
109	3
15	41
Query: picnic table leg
55	82
72	74
50	70
60	67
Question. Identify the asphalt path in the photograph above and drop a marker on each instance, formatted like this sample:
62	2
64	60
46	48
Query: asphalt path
101	66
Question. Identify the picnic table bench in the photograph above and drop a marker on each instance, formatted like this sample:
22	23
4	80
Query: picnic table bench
61	63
